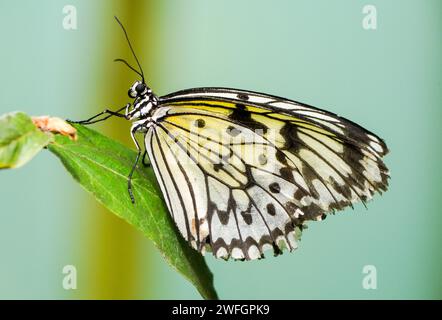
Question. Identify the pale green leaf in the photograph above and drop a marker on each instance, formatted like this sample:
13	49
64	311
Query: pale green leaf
101	166
20	140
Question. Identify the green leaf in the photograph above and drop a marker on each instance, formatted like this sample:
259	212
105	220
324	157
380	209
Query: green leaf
20	140
101	166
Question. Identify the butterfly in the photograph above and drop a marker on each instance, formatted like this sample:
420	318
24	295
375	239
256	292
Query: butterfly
241	171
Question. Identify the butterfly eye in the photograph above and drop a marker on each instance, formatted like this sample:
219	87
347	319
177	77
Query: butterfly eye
132	93
140	88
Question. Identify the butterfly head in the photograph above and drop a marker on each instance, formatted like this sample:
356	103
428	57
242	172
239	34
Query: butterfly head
138	90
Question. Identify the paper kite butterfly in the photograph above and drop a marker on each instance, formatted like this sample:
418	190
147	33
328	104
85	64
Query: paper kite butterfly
241	172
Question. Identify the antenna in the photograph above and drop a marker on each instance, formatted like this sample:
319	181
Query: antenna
133	52
129	66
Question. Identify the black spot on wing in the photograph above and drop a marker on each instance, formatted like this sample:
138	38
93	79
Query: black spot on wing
311	211
287	174
200	123
275	187
243	96
271	209
241	115
217	166
291	207
290	133
281	157
223	217
276	250
345	189
247	217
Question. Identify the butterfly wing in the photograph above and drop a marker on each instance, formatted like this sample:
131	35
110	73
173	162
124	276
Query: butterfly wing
241	171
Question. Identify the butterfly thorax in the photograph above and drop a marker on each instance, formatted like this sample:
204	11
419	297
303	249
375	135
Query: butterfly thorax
144	105
145	102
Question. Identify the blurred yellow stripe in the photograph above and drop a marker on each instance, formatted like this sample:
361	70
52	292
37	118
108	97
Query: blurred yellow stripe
111	258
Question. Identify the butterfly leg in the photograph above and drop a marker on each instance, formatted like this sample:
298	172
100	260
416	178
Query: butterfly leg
107	112
134	129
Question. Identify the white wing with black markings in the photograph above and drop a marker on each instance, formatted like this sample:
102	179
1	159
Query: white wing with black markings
241	171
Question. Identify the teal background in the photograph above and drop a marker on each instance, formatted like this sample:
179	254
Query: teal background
388	80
